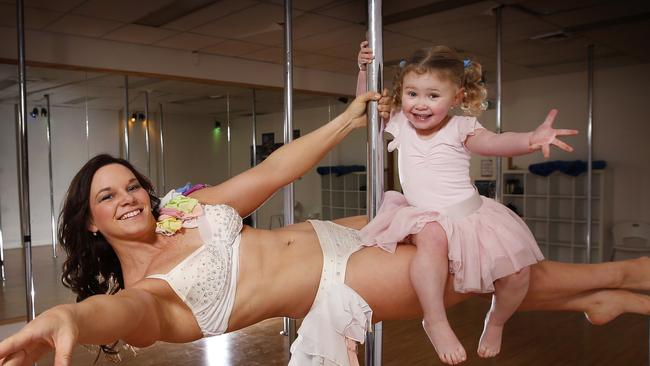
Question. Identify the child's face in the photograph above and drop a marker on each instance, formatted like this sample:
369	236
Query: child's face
426	100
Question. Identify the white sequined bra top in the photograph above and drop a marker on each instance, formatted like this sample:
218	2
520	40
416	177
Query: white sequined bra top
207	278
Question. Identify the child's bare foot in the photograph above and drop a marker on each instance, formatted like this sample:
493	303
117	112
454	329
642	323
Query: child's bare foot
445	342
490	343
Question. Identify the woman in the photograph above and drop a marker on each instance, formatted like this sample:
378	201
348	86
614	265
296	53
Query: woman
221	278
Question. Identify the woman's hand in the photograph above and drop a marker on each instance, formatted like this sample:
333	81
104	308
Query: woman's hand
365	56
54	329
545	136
356	111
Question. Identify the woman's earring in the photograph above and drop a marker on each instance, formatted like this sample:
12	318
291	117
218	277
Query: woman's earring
94	233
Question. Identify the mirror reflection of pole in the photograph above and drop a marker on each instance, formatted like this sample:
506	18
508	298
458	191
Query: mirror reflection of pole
23	165
49	158
146	131
254	151
228	134
87	122
590	120
2	248
289	198
498	190
161	164
125	131
375	173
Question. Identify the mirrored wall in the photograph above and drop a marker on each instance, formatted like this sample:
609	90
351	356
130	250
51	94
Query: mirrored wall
177	131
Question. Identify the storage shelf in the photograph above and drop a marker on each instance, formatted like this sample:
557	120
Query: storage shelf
555	210
343	196
560	244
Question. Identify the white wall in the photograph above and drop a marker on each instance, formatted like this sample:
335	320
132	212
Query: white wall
70	151
620	128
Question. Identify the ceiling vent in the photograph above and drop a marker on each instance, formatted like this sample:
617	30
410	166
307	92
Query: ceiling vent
551	37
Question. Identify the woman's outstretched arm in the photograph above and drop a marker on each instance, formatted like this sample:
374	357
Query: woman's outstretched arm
250	189
136	316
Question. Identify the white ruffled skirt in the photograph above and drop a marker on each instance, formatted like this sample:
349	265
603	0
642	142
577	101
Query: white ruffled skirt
339	317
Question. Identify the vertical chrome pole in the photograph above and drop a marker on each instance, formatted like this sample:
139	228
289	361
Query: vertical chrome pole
288	196
590	119
126	118
2	247
23	165
498	194
254	140
161	164
49	158
146	131
228	135
330	216
87	123
375	173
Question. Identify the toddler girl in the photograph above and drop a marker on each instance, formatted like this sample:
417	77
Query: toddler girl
486	246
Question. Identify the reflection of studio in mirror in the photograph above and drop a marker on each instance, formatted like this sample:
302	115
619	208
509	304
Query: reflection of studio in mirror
168	122
269	145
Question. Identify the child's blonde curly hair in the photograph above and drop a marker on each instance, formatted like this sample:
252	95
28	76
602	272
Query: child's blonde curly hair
447	64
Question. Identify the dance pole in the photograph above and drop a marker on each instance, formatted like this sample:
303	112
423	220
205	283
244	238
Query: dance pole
87	122
146	131
590	120
288	193
254	140
125	132
49	158
23	165
228	135
375	174
2	247
498	194
161	134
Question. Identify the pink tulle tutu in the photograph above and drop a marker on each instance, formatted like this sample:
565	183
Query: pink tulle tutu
489	243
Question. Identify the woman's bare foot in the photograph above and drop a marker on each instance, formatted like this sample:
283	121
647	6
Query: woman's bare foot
445	342
606	305
490	343
636	274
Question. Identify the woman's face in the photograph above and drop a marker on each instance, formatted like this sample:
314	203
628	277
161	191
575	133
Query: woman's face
120	208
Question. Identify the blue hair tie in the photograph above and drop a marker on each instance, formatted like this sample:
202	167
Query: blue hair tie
402	64
467	62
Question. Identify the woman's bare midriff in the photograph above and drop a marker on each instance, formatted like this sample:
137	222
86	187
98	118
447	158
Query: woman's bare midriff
279	272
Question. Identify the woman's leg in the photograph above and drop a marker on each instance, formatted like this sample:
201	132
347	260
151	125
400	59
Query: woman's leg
554	285
428	272
596	289
508	294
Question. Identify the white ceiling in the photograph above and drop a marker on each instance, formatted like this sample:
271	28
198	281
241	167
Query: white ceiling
327	33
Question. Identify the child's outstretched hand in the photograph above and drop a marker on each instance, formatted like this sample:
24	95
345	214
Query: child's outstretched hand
545	136
365	56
